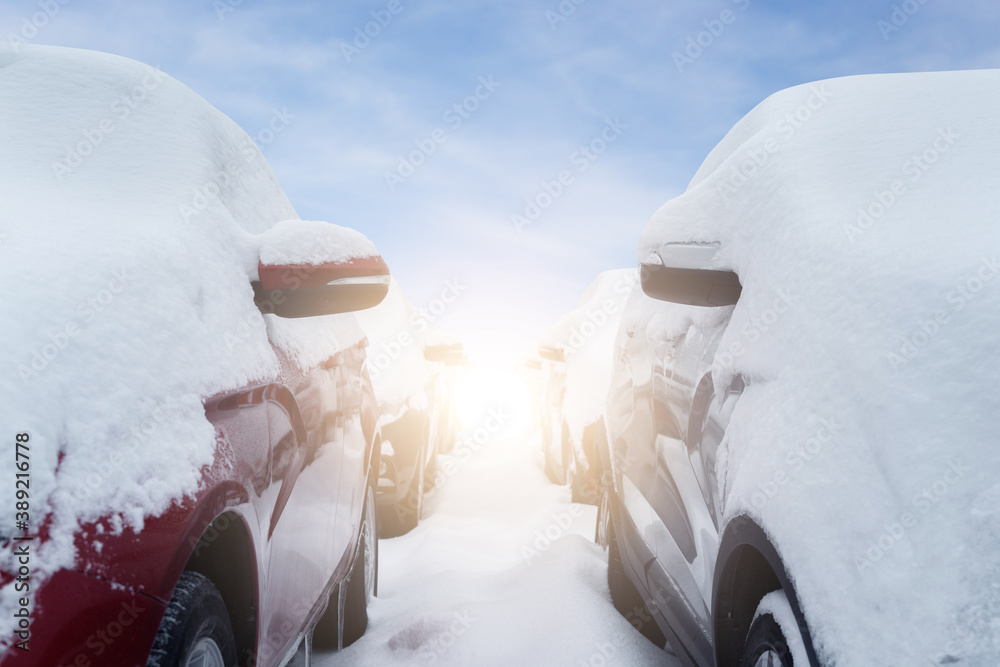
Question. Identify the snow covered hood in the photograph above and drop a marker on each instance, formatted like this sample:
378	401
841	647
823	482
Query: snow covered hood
134	215
862	215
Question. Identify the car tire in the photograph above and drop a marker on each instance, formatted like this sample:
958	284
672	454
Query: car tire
350	599
195	629
774	638
624	594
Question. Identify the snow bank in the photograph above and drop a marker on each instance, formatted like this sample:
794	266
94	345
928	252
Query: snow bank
587	336
130	229
396	335
861	215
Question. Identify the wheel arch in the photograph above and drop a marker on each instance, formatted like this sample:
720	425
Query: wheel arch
748	567
225	554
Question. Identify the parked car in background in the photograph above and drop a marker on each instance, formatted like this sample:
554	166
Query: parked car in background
404	360
555	442
197	434
531	369
447	359
801	425
576	370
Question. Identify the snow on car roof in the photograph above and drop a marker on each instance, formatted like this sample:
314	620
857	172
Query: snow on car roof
131	230
861	216
564	334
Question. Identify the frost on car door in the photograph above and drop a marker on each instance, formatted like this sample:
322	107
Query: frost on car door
668	486
306	462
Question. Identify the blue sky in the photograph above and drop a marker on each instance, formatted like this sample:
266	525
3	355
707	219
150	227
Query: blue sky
558	73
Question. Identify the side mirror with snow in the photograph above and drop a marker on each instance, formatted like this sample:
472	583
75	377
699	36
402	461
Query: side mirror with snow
684	275
308	269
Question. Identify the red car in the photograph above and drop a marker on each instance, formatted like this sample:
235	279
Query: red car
199	449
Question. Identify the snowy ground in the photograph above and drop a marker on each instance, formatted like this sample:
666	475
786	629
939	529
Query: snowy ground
467	588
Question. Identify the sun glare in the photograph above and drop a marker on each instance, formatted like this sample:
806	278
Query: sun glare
492	395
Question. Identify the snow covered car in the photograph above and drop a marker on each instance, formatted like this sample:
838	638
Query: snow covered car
403	381
802	431
576	372
447	358
196	433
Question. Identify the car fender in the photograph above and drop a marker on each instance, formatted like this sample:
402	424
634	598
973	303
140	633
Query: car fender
747	548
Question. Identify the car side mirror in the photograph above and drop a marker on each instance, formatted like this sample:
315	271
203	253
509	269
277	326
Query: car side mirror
684	275
308	268
324	289
450	354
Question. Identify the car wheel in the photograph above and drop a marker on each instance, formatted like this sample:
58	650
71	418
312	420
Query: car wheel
774	639
624	594
195	631
350	599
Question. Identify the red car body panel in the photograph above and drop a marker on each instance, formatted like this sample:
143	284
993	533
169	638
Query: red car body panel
289	473
84	621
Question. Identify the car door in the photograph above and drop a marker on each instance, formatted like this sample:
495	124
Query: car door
678	498
304	521
687	497
355	419
654	488
668	481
